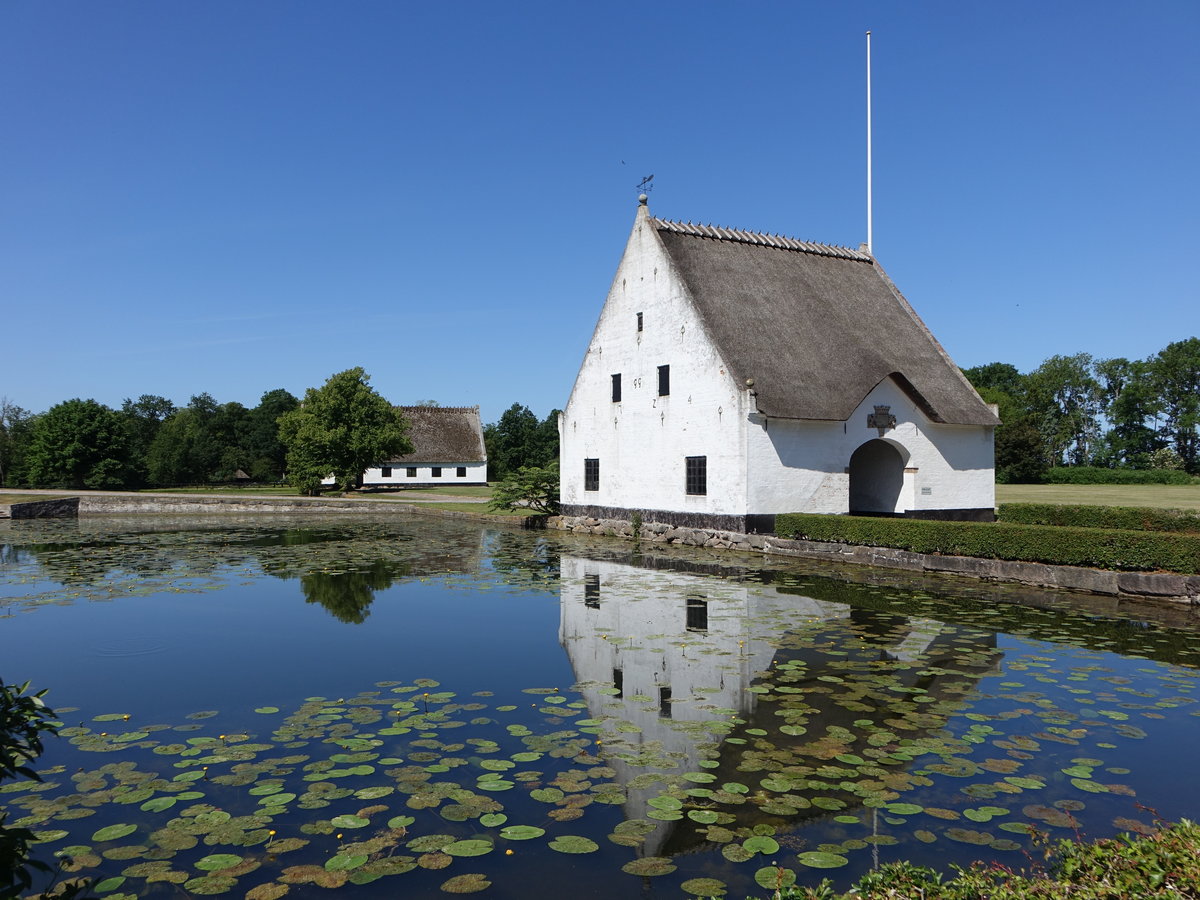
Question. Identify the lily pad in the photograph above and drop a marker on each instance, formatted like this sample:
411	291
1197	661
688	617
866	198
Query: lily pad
572	843
114	832
471	883
819	859
521	832
649	866
471	847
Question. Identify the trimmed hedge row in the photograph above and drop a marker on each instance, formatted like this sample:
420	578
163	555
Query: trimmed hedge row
1097	475
1096	548
1137	518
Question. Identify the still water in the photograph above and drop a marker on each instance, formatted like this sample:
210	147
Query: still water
264	706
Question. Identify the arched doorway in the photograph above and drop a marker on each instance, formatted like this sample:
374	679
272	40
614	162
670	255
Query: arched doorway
876	479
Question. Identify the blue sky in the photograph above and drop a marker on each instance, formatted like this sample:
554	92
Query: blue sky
233	197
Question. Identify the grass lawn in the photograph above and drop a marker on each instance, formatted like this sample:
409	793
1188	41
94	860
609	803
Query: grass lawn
483	492
1163	496
480	508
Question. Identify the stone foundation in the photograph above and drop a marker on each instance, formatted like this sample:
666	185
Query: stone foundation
1122	585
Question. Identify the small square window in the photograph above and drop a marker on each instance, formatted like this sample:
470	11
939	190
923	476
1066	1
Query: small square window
591	591
461	471
385	472
664	381
616	388
591	474
696	477
639	321
411	472
435	472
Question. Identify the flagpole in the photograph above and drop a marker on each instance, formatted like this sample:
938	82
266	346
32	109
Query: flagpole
870	241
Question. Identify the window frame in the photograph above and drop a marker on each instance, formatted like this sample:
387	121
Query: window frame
616	387
591	473
695	476
411	472
385	471
435	471
664	380
460	472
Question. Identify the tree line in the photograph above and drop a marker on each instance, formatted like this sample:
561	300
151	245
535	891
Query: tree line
340	428
1109	413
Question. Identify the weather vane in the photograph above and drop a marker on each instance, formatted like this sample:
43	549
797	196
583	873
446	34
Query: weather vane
644	186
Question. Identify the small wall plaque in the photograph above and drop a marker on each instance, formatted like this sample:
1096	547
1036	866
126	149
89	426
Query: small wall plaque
881	419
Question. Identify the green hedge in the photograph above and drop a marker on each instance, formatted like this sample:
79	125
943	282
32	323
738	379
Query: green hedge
1058	545
1096	475
1137	518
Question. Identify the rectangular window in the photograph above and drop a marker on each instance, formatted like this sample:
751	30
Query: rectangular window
385	472
461	471
639	321
591	591
696	477
435	472
664	380
697	614
664	701
619	682
411	472
616	388
591	474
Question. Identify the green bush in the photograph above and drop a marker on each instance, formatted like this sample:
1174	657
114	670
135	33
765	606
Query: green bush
1164	865
1096	475
1137	518
1058	545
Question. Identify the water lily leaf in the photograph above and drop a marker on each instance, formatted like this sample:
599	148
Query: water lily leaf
761	844
470	883
344	862
272	891
703	816
472	847
218	861
267	710
114	832
208	885
350	821
491	820
775	878
571	843
521	832
904	809
819	859
705	887
649	866
108	885
400	821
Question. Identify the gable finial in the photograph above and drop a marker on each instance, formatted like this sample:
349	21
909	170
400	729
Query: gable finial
642	199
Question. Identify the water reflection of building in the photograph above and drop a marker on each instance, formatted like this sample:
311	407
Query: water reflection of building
664	649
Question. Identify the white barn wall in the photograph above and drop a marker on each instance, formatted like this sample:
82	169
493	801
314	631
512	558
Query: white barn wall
799	466
642	441
476	474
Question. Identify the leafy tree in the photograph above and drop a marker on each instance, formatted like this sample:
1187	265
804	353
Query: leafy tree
1176	377
340	429
529	488
24	718
16	430
520	439
183	450
347	596
79	444
1131	406
267	455
998	376
144	417
1065	399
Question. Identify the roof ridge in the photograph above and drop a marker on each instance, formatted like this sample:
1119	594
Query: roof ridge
466	409
761	239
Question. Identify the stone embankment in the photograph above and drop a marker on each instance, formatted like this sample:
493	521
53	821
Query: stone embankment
1129	585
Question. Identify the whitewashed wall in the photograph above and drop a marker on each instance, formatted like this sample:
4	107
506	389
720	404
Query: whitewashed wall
642	441
476	474
796	466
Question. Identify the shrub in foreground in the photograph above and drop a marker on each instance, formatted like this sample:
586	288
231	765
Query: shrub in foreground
1137	518
1098	475
1092	547
1165	864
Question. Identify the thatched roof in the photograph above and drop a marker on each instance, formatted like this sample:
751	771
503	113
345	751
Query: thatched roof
443	434
816	326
